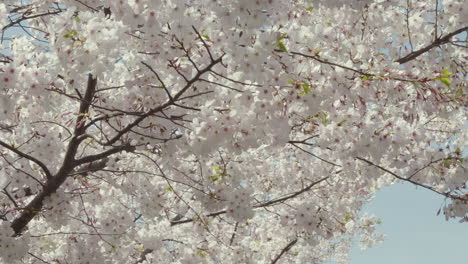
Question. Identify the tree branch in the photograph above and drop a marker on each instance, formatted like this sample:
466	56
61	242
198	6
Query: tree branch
68	164
438	42
446	194
170	102
265	204
105	154
288	197
23	18
312	154
28	157
85	104
317	58
284	250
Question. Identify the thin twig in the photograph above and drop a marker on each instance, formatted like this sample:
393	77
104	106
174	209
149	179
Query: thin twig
284	251
408	23
448	195
265	204
159	79
28	157
313	155
233	234
436	20
204	43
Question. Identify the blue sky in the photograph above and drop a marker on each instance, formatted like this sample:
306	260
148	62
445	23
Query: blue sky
414	233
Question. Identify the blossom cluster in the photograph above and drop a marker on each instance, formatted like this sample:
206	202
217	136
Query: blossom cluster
180	131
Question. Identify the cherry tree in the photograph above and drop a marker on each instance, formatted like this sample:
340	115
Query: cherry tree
219	131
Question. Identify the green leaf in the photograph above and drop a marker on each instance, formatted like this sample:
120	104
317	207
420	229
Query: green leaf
281	46
323	117
445	80
445	77
215	177
291	81
202	33
341	122
447	162
460	92
201	254
72	33
169	189
306	89
140	248
315	50
365	78
348	217
310	8
445	72
282	36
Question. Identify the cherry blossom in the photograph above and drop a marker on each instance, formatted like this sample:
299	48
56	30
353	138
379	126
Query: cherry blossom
179	131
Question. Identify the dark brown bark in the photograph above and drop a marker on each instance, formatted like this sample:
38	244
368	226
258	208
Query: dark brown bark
68	164
438	42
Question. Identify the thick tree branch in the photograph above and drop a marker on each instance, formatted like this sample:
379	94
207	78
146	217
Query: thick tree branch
85	104
413	55
438	42
105	154
68	164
